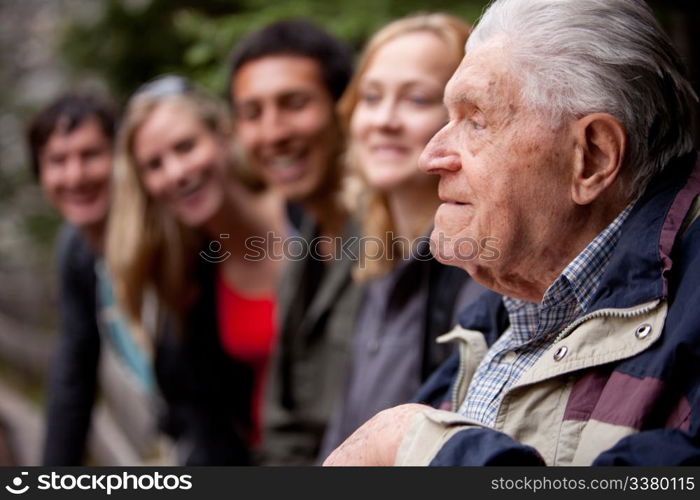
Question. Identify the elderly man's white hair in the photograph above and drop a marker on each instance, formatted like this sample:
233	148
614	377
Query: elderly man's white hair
576	57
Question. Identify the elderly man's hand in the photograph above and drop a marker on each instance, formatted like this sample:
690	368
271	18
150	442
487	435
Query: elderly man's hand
378	440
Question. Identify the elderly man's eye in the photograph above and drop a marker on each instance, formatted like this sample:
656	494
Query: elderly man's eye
476	125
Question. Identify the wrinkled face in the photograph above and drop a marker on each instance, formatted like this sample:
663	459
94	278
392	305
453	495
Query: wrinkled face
504	172
286	123
182	162
400	108
74	173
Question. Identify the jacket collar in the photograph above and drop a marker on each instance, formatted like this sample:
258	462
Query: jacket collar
638	270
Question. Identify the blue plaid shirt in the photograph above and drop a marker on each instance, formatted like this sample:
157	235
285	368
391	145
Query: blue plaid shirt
533	325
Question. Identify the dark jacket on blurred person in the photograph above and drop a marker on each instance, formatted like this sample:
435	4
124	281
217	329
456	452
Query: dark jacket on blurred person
317	308
394	347
206	393
73	380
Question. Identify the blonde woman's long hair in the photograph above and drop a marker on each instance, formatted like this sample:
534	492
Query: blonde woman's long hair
371	206
147	249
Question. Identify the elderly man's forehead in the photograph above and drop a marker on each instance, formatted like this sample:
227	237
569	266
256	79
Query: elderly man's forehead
481	74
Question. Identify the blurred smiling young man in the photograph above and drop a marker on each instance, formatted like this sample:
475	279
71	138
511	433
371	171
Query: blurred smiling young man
287	124
285	81
71	151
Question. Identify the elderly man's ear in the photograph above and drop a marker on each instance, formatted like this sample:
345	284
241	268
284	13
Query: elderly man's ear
600	147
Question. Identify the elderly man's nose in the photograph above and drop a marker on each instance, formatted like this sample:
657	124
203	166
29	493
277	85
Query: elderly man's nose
438	157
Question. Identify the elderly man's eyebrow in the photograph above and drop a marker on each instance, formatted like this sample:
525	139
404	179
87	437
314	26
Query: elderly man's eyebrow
463	97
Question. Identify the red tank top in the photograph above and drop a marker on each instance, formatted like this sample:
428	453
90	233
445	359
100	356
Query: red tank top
247	332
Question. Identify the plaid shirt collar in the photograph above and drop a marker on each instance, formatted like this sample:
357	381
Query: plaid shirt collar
571	293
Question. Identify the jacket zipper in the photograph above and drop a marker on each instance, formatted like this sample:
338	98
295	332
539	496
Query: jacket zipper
601	313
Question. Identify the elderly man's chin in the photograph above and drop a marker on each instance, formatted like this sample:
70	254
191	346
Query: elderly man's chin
456	249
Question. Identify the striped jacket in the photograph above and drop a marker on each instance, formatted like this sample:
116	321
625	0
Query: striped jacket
620	385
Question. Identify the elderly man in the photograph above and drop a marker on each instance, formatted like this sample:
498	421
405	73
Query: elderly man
569	142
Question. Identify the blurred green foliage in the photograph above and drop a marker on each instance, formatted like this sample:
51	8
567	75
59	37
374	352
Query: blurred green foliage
8	186
41	227
133	41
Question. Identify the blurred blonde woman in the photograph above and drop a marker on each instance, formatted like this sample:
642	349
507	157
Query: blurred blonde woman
391	109
183	209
